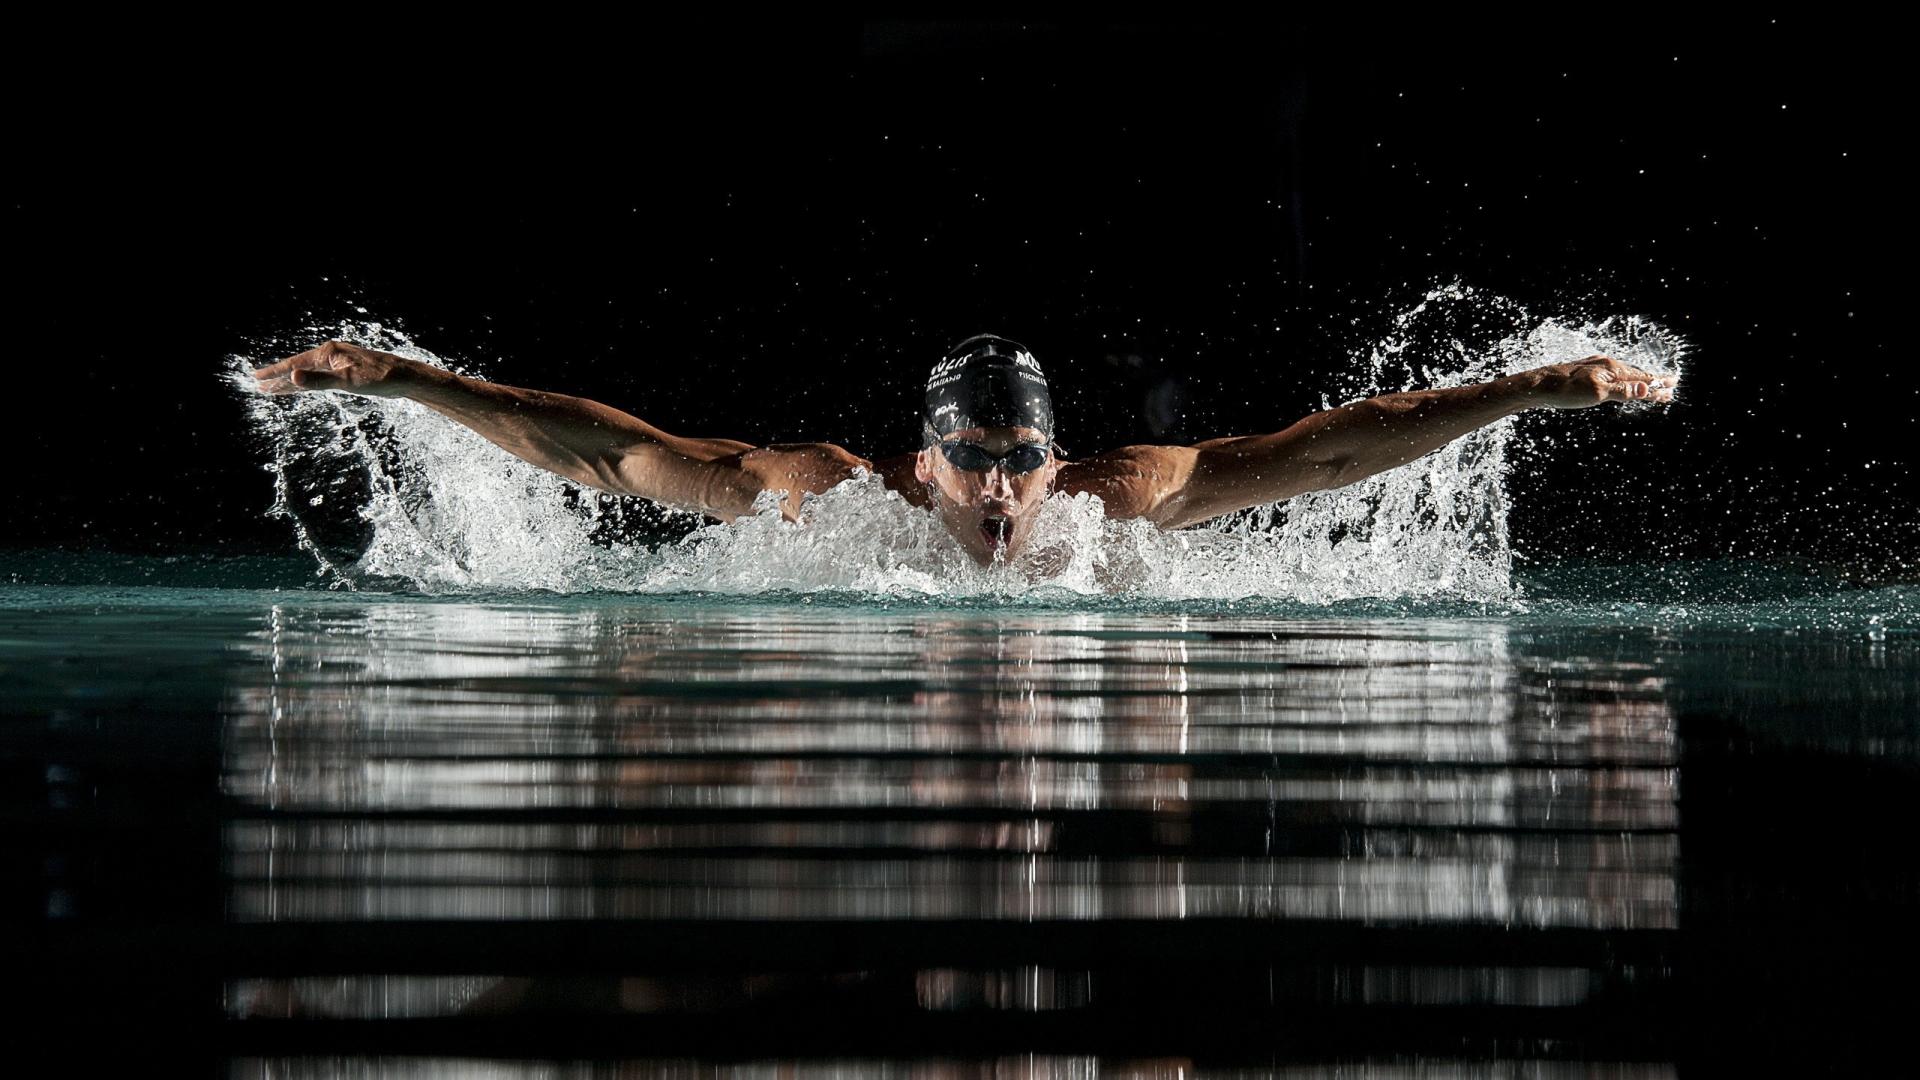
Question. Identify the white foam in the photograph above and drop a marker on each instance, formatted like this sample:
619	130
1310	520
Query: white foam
443	509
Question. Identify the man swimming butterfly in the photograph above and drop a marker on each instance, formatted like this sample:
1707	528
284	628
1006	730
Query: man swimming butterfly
987	459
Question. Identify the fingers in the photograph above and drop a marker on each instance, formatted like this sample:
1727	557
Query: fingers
298	379
1623	382
319	358
310	370
1644	386
284	367
310	379
274	371
1656	390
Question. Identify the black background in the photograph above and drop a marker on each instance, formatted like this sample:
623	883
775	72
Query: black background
768	231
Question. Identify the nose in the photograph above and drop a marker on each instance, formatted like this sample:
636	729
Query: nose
998	483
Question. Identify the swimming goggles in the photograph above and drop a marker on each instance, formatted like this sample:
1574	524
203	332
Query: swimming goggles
972	457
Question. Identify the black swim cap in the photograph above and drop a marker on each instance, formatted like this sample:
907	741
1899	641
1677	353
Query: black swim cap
987	381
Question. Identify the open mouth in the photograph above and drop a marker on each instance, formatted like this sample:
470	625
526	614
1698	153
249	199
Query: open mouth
996	530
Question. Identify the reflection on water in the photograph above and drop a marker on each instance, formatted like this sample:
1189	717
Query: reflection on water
456	762
1022	1067
323	831
508	766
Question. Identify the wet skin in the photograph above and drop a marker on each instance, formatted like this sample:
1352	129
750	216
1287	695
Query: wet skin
989	513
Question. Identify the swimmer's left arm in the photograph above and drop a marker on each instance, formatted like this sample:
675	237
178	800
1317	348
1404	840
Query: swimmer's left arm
1175	486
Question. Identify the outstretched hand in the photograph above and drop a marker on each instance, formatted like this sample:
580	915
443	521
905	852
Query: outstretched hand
337	365
1594	381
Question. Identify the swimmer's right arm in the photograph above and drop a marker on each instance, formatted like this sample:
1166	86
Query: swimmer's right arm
583	440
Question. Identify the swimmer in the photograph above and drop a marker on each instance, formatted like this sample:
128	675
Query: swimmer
987	459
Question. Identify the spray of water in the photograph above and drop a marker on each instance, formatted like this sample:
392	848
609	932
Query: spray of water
386	491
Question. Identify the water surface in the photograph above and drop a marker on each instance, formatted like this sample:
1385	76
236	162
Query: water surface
1623	821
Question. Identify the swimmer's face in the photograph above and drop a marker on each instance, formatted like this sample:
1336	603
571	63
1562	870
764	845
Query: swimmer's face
989	511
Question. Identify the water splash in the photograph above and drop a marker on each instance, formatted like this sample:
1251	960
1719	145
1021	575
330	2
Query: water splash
386	491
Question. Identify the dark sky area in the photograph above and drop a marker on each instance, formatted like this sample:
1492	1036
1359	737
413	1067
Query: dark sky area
769	231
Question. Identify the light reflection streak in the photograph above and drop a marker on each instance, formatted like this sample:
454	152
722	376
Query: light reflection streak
859	766
1021	1066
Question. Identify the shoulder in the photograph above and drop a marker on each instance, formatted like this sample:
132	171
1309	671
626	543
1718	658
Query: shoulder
898	474
1132	481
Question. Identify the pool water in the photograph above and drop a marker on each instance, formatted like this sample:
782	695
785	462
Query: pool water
1625	823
